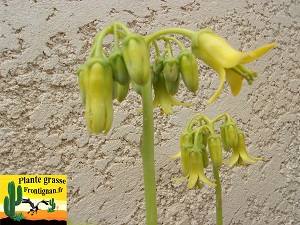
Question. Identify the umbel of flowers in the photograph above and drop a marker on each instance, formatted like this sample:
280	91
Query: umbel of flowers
200	135
105	77
108	75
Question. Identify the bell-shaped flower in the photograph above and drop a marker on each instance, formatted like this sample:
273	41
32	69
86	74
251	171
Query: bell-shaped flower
240	154
189	70
136	58
229	135
225	60
163	97
193	169
215	149
96	87
170	69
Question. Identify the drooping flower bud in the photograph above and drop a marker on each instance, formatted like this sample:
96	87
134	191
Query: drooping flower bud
98	84
215	149
170	70
225	145
184	150
120	72
120	91
202	137
189	70
163	97
172	88
204	154
136	57
158	64
229	134
136	87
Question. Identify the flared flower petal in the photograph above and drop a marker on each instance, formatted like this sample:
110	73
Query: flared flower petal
234	80
176	155
240	154
255	54
192	165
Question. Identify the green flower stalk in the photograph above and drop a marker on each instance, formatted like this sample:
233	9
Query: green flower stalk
104	78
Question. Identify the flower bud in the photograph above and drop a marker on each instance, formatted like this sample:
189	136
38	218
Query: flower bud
136	87
170	70
99	110
159	64
153	75
120	72
136	57
189	70
204	155
215	149
186	138
120	91
229	135
184	150
225	145
172	88
202	137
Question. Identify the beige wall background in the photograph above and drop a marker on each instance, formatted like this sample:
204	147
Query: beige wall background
42	127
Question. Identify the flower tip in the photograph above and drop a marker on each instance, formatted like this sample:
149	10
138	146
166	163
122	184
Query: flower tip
255	54
273	44
211	100
175	156
235	92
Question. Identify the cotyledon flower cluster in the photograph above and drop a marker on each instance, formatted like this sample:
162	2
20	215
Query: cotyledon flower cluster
107	76
198	136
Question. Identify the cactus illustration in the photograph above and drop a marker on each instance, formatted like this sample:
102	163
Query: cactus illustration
9	202
53	205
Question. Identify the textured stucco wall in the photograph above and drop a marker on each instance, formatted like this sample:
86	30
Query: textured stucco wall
42	128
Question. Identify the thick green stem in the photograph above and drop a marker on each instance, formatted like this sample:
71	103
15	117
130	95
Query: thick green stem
219	214
147	152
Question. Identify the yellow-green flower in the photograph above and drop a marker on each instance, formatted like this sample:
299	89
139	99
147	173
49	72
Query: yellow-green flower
193	160
96	88
136	58
163	97
192	165
227	61
240	154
